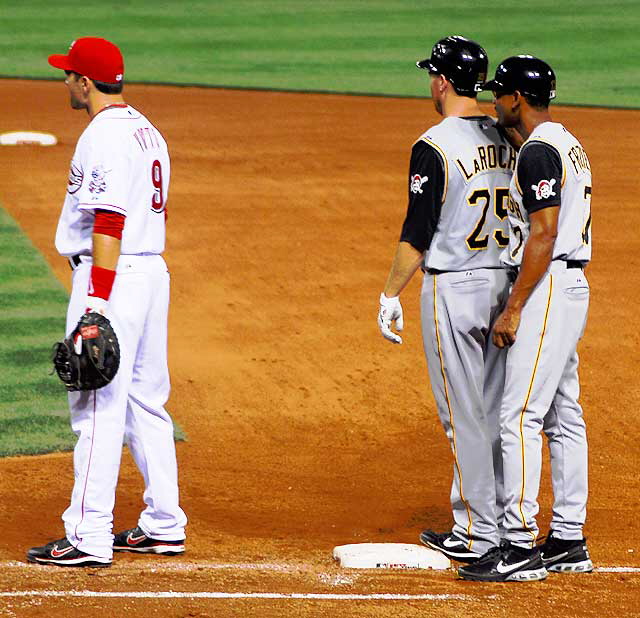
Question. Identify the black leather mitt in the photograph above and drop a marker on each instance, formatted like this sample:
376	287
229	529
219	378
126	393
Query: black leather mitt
89	357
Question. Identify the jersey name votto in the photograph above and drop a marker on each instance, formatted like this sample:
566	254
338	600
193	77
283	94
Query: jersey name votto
121	164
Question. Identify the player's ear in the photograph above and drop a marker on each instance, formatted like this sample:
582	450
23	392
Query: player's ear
85	82
517	100
444	83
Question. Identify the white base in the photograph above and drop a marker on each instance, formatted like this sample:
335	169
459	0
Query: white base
14	138
389	556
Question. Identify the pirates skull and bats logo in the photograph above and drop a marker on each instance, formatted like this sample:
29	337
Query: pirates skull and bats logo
544	189
416	181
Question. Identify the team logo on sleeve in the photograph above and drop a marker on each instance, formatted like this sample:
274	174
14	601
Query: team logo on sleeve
98	183
416	183
544	189
75	178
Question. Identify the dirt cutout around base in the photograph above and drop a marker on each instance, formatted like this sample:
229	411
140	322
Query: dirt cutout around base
306	428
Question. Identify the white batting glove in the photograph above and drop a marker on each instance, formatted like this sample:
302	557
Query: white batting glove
390	311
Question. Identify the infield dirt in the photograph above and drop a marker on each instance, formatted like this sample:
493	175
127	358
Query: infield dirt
306	429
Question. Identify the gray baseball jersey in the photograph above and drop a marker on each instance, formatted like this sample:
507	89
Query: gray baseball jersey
458	189
478	164
541	386
574	222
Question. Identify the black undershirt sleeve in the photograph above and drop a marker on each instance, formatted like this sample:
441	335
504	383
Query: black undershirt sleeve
426	188
539	176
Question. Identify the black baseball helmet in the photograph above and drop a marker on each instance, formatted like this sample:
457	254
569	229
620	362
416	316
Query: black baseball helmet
462	61
527	74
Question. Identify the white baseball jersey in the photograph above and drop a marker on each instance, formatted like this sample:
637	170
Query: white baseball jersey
478	164
120	164
538	186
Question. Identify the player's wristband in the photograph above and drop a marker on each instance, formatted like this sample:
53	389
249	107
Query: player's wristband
101	282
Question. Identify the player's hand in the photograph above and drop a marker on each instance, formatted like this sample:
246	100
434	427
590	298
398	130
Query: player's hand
390	311
505	328
95	304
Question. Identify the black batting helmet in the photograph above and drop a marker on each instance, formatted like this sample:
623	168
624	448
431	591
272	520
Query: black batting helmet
462	61
526	74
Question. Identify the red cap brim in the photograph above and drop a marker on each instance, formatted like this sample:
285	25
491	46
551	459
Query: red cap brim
59	61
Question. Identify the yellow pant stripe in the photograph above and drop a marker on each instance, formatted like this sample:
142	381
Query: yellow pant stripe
524	409
446	395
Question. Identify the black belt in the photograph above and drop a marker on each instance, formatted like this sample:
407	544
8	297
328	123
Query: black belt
514	270
435	271
575	264
569	264
75	261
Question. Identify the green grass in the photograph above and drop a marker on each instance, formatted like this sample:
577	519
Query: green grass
34	416
335	45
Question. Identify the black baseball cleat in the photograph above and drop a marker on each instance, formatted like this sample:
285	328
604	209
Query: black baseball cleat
450	545
507	563
136	540
62	553
563	556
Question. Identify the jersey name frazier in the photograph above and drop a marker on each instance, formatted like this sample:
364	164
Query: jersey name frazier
579	158
488	157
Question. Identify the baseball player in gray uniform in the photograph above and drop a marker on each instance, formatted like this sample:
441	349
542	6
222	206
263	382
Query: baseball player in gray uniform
544	318
454	230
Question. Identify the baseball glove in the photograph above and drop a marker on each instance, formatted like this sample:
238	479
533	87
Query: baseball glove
89	357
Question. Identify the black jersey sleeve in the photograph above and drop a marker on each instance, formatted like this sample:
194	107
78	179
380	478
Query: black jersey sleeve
426	188
539	176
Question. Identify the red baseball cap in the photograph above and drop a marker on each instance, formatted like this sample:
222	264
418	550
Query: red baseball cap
93	57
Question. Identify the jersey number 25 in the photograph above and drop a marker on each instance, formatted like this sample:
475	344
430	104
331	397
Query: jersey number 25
475	242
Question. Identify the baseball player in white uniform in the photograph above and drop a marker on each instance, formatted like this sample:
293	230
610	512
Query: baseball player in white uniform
544	318
455	228
112	231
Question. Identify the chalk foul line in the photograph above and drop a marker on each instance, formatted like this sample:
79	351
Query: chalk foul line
153	567
170	594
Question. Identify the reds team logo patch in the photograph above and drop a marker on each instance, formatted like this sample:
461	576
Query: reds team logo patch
544	189
416	181
98	183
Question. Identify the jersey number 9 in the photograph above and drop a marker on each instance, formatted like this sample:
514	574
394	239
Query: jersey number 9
157	200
